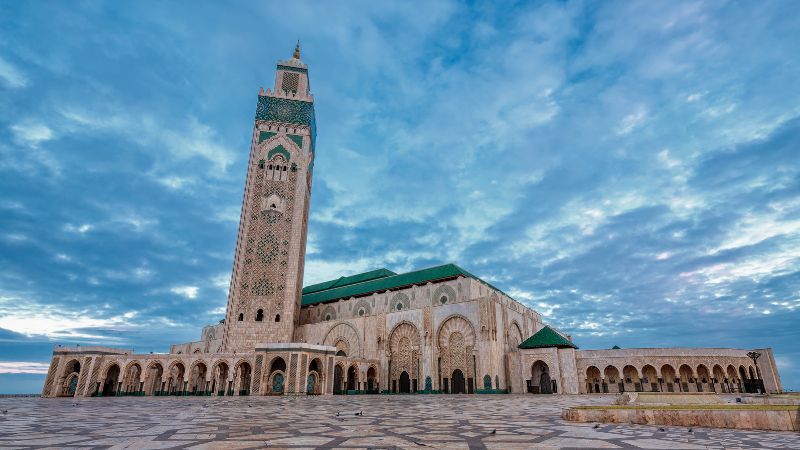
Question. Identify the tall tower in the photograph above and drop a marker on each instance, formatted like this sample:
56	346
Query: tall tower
267	280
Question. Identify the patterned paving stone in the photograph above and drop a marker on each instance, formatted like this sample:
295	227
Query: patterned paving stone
403	422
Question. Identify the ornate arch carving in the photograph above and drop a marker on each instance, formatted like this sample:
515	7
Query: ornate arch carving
456	341
515	336
401	298
456	322
443	290
404	348
347	333
328	311
365	304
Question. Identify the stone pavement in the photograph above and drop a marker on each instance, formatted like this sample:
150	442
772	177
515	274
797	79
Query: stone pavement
410	421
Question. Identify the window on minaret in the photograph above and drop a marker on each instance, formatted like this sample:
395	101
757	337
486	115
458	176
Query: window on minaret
290	82
277	169
260	315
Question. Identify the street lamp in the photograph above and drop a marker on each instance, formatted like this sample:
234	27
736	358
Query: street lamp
754	356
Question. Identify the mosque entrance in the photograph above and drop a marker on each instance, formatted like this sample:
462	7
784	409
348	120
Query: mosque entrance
459	387
405	383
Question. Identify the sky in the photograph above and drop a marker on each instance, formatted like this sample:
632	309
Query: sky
631	169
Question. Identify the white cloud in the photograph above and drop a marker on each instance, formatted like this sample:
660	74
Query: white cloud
189	292
632	121
82	229
23	367
20	315
222	281
32	133
174	182
11	76
190	140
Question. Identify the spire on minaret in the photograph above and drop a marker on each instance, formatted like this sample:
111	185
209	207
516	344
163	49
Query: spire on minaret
297	50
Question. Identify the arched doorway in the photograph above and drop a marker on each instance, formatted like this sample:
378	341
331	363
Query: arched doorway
69	382
632	381
669	377
459	383
612	381
243	378
649	379
540	382
338	374
593	380
352	378
110	384
686	377
719	377
277	376
405	383
219	385
175	381
404	352
133	374
197	382
314	382
372	384
153	379
704	379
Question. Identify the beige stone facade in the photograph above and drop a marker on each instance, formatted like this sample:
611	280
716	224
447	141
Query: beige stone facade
436	330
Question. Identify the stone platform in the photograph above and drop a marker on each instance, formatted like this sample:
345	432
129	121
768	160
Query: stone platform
388	421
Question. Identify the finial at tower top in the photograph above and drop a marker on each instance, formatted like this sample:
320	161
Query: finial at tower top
297	50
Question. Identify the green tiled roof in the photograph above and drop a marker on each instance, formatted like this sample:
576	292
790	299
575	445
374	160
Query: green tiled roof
378	280
547	337
345	281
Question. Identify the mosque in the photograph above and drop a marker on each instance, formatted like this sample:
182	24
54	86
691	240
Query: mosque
435	330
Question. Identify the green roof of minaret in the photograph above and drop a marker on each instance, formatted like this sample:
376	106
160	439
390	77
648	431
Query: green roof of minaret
547	337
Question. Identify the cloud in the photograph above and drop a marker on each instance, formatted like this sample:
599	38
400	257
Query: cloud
32	133
81	229
11	76
631	121
23	367
189	292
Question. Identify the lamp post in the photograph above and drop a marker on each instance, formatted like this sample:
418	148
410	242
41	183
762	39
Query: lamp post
754	356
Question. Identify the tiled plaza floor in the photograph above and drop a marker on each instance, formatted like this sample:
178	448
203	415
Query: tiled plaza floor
412	421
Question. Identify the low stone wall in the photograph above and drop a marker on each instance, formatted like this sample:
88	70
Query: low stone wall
773	420
772	400
668	398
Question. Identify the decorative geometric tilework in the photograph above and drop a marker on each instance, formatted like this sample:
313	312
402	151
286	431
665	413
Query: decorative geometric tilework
400	302
292	69
292	372
257	374
290	82
288	111
445	291
267	248
296	139
50	375
264	135
278	150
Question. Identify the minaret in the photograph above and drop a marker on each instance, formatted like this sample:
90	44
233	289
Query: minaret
267	279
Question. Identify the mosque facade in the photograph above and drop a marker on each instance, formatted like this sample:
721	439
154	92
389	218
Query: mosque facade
435	330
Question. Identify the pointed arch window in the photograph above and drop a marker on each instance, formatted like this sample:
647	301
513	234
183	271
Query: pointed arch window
277	168
260	315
